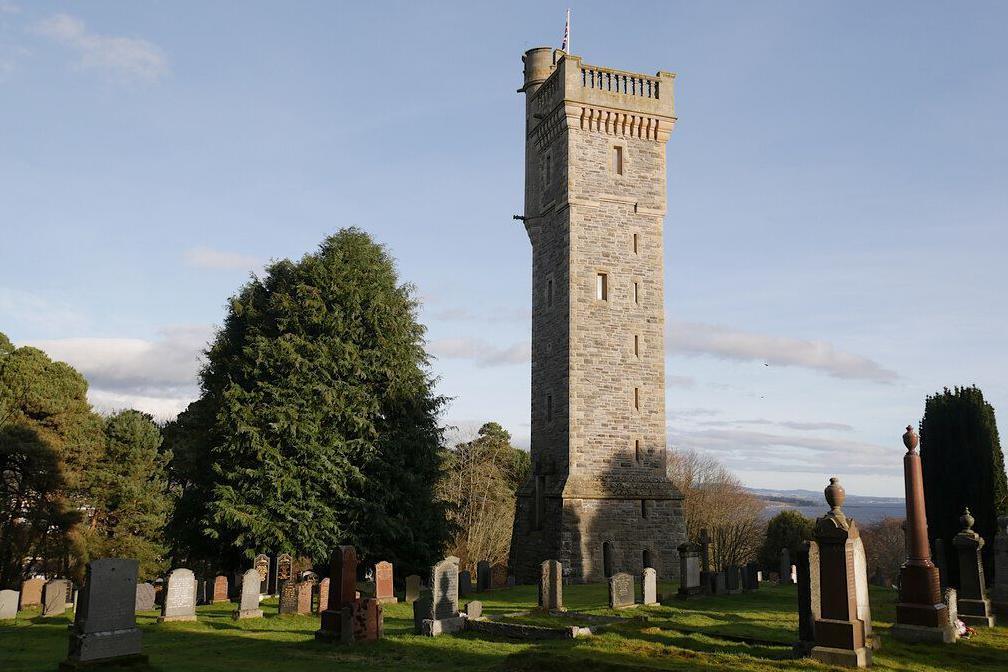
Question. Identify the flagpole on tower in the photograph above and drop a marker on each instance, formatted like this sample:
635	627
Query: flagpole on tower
565	46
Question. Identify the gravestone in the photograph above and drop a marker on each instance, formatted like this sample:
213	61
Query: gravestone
941	563
220	589
808	595
31	592
9	604
144	597
288	603
444	585
733	579
691	570
412	588
951	601
482	576
54	597
474	610
422	607
179	603
262	565
841	636
751	577
551	585
704	547
323	595
202	593
334	626
104	628
283	570
304	591
716	583
465	583
649	586
248	597
621	591
786	577
999	591
384	592
366	620
974	604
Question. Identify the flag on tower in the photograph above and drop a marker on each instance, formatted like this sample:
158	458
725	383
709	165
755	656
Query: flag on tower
566	38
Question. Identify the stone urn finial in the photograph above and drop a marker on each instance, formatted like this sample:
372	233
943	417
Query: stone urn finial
835	495
910	439
966	520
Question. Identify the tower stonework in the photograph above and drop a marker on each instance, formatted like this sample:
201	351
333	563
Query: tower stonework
598	498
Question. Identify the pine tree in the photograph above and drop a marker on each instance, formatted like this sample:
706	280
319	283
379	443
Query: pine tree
317	423
963	466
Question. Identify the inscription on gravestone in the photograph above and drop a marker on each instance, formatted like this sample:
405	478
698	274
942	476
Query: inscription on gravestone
179	602
262	565
104	625
304	596
621	591
384	591
8	604
444	583
288	598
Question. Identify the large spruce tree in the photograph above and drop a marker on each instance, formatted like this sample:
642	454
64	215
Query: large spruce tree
963	466
317	424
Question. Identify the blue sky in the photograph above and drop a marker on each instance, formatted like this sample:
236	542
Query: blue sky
837	198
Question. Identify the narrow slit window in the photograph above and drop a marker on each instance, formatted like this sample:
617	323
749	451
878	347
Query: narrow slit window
549	293
549	408
617	160
635	249
602	287
549	166
636	292
643	508
636	345
636	398
637	450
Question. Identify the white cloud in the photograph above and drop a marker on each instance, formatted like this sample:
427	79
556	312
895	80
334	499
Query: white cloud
205	257
130	57
484	354
787	424
692	338
158	376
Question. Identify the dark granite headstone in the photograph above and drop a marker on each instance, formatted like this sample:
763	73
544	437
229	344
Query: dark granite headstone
104	627
54	597
412	588
786	578
283	572
974	604
423	608
621	591
336	622
288	602
999	591
733	579
179	603
384	591
8	604
716	583
465	583
808	553
145	597
483	576
750	577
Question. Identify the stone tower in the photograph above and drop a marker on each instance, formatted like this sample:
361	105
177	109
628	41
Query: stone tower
598	498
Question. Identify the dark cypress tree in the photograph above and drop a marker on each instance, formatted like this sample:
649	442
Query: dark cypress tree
317	424
963	466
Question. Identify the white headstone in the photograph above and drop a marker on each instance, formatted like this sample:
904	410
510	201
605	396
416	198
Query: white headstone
180	597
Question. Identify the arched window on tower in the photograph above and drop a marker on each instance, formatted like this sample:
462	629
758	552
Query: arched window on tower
646	559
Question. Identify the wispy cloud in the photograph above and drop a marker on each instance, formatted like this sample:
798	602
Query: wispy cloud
692	338
787	424
205	257
7	7
482	353
129	57
155	375
38	311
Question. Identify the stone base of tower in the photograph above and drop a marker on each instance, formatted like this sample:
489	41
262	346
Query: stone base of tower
597	536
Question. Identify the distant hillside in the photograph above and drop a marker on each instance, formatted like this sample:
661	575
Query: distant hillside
864	509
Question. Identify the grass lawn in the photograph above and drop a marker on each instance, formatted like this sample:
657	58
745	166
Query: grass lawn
677	636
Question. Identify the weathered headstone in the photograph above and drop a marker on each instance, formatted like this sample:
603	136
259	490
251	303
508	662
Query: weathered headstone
474	610
342	593
716	583
999	591
621	591
104	627
423	606
951	600
806	559
282	572
733	579
54	597
220	589
31	592
323	595
202	591
482	576
690	570
785	567
9	604
443	613
262	565
465	583
366	619
144	597
920	615
248	598
551	585
288	603
384	591
179	603
751	577
649	586
974	604
841	636
412	588
304	591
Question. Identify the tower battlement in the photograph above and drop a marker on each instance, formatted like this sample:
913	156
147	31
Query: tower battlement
598	498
